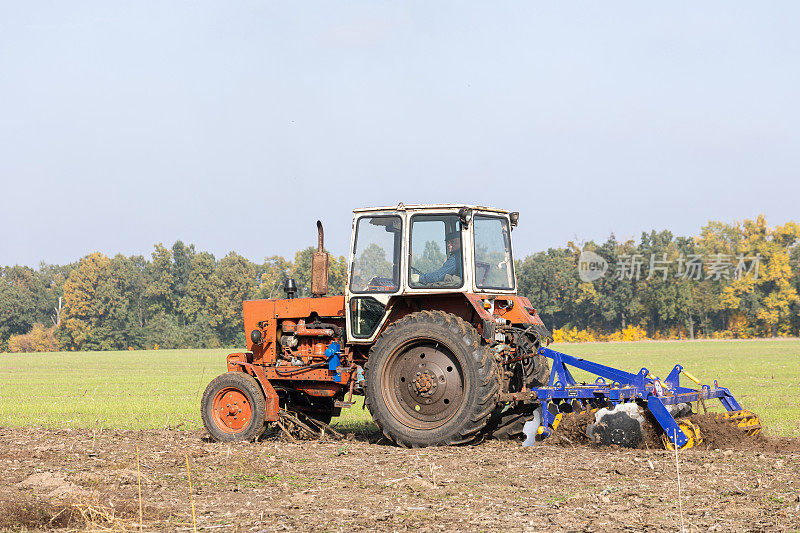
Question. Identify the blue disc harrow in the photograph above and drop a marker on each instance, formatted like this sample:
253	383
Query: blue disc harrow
614	387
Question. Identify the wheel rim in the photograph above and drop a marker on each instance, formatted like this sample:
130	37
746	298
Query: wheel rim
232	410
423	385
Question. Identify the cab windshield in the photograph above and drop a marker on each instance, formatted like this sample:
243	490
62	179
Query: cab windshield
376	260
435	259
494	266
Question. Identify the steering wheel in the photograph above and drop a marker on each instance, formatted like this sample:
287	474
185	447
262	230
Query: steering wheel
415	270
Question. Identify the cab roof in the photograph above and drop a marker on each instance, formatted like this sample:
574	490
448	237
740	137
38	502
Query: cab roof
429	207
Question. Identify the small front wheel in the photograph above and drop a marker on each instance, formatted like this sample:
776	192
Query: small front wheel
234	407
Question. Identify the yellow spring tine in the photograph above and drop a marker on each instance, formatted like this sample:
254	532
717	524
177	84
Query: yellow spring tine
745	420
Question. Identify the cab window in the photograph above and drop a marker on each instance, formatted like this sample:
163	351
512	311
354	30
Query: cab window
365	316
376	262
435	259
494	266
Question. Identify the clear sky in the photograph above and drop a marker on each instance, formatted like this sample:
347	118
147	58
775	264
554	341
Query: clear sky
235	125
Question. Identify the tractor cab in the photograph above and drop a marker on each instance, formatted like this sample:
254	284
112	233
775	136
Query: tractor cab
424	250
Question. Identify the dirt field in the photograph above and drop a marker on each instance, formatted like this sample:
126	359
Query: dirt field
70	478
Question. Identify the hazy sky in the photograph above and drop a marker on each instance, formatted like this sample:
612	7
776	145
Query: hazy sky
235	125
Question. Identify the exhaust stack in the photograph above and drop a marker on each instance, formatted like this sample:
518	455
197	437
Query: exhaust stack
319	266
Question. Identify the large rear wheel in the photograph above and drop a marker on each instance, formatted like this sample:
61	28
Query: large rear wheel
431	381
233	407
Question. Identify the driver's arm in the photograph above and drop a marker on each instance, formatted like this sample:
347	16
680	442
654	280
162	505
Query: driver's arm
451	266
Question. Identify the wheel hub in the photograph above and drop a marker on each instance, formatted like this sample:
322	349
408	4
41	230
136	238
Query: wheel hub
424	383
232	410
425	386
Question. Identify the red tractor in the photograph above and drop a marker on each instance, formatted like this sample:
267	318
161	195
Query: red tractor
430	330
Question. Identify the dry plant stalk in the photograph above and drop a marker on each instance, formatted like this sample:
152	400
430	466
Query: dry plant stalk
139	483
191	496
91	512
678	472
314	429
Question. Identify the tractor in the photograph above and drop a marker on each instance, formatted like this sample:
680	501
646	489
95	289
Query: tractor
431	331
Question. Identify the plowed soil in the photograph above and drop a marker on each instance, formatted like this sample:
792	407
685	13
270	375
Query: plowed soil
715	433
79	479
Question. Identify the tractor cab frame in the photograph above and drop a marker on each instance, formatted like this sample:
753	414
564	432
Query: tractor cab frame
403	251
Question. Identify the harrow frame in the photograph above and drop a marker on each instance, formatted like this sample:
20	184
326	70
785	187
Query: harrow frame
618	386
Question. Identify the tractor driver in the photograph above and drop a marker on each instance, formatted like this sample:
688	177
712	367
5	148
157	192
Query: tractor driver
451	266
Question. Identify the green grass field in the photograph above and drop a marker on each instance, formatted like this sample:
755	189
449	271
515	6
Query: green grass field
158	389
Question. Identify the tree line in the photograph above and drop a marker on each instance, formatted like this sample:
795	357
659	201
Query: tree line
178	298
732	281
736	280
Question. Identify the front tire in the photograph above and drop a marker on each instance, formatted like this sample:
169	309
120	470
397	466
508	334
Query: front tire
234	407
431	381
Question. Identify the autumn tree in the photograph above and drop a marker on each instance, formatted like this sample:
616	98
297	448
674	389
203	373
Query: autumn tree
160	293
549	279
197	305
38	339
271	276
23	301
233	281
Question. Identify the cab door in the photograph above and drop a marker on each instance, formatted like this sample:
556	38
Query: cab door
375	272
